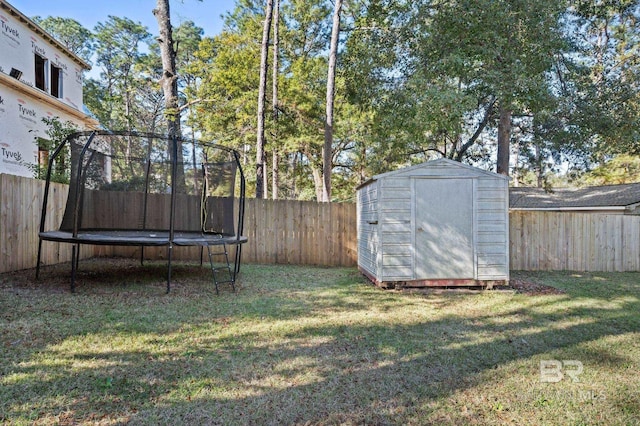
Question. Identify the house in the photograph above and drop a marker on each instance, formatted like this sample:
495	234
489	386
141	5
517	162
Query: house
439	223
39	78
609	199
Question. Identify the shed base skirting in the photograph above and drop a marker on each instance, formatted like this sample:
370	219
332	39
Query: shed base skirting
488	284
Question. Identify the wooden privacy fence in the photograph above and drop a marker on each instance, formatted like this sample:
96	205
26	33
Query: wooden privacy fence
309	233
295	232
20	209
300	232
552	241
282	231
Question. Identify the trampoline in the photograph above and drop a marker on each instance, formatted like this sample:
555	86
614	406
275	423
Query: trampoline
148	190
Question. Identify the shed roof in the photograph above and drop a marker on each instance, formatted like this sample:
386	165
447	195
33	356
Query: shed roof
432	164
621	196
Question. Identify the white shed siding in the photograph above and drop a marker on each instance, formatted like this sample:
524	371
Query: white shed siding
492	229
396	229
367	228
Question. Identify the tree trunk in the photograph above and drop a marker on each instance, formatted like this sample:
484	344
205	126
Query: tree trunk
516	170
275	149
169	81
539	174
328	124
275	174
293	166
362	174
504	135
264	53
317	181
169	78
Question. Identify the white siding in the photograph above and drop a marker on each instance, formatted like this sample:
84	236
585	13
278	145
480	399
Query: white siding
367	212
21	122
492	247
396	229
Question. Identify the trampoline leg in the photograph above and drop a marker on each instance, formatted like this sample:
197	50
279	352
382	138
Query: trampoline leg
75	253
38	262
238	259
170	251
141	255
232	274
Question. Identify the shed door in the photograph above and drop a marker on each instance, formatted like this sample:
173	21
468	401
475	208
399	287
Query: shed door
444	229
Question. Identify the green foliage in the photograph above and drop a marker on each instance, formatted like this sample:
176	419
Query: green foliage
618	170
135	184
227	69
70	33
540	58
502	48
187	38
126	102
607	88
57	131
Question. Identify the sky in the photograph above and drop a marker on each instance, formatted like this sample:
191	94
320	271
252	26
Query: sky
206	14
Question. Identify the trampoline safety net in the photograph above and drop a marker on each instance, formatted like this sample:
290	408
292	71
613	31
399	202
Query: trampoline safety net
147	190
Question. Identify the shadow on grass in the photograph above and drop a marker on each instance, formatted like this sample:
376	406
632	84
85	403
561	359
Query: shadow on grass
295	345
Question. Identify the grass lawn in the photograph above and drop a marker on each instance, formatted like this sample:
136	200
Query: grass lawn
303	345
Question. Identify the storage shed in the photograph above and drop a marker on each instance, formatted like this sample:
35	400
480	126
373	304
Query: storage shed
440	223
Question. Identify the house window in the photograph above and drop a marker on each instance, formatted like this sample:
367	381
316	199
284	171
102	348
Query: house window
15	73
41	72
56	81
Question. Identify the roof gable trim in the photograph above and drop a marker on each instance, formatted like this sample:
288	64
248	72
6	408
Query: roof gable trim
430	164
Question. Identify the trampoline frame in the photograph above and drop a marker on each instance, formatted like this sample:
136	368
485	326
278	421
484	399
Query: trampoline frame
146	237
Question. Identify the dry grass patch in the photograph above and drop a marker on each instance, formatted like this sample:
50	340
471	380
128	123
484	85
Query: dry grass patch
301	345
